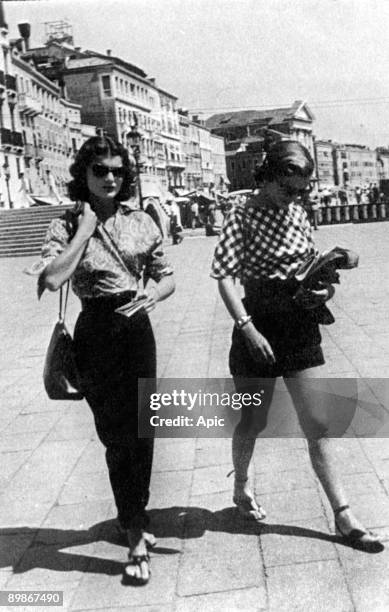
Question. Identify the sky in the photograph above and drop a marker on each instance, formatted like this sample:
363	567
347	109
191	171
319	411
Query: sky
218	55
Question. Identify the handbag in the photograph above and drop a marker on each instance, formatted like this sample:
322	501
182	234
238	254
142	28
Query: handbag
60	375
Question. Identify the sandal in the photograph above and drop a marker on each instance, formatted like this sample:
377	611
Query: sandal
357	538
248	508
150	539
136	561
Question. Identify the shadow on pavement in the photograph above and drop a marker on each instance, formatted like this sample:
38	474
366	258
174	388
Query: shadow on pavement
26	548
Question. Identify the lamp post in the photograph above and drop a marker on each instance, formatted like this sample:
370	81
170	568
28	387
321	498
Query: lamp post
7	176
134	140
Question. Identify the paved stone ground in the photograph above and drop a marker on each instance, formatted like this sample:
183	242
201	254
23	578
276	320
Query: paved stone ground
56	512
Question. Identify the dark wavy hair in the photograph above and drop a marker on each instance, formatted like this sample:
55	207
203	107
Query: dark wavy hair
285	158
91	150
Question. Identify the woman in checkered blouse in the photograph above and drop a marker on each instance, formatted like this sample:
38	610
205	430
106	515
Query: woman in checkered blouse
263	243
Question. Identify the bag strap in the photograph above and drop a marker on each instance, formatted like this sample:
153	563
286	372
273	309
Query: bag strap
63	302
129	267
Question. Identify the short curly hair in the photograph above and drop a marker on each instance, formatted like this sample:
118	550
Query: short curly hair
93	148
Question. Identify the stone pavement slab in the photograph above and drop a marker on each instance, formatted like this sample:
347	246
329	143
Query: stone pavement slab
57	517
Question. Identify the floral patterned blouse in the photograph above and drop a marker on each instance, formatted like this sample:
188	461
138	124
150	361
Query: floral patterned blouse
99	272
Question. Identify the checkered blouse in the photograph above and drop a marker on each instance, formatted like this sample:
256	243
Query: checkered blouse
262	243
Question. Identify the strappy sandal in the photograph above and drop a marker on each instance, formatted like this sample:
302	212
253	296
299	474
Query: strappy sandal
246	505
150	539
136	561
248	508
357	538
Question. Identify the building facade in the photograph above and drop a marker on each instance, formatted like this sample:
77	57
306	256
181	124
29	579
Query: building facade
354	165
171	139
243	133
190	143
382	163
54	97
218	159
324	160
11	142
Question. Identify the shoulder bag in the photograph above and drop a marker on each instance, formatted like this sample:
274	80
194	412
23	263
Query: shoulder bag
60	376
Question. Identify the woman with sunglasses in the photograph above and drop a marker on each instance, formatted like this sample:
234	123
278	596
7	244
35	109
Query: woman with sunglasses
105	253
263	243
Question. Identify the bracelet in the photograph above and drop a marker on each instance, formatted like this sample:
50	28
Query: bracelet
242	321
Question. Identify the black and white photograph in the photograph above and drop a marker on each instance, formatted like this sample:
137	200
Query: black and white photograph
194	328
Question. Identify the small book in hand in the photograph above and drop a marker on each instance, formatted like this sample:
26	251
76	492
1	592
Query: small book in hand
131	308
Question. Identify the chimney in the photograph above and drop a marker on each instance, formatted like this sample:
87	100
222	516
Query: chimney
109	52
3	23
152	80
195	118
25	32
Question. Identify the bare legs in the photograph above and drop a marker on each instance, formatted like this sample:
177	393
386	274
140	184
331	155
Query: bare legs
313	416
253	421
314	413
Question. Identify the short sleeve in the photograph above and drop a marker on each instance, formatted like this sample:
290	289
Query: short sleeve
157	264
229	252
55	241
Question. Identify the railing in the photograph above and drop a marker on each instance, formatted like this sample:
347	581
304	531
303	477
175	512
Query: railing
353	213
29	105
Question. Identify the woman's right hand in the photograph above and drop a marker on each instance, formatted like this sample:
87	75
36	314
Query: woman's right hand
87	221
257	344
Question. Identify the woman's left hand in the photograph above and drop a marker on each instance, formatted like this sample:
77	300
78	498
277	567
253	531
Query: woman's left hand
312	298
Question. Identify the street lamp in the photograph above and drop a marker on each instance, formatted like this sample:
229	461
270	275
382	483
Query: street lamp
134	140
7	176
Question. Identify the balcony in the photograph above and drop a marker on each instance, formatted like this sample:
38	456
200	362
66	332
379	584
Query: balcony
28	105
11	139
10	82
6	137
17	139
177	164
74	125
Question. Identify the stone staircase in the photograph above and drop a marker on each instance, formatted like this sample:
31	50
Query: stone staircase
22	230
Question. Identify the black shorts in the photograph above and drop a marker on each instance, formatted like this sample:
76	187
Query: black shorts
292	332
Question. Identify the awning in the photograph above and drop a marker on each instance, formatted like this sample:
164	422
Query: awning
203	199
240	192
183	193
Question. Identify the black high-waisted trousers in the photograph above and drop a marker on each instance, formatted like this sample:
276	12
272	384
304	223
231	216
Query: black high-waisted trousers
112	352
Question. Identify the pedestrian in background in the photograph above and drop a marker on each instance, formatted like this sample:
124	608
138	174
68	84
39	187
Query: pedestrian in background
263	243
194	211
112	350
174	218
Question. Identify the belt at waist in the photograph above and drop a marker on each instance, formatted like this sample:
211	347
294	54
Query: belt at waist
109	302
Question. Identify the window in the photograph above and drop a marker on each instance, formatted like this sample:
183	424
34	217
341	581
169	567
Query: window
106	82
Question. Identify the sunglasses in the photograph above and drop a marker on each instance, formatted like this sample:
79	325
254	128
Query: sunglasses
101	171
